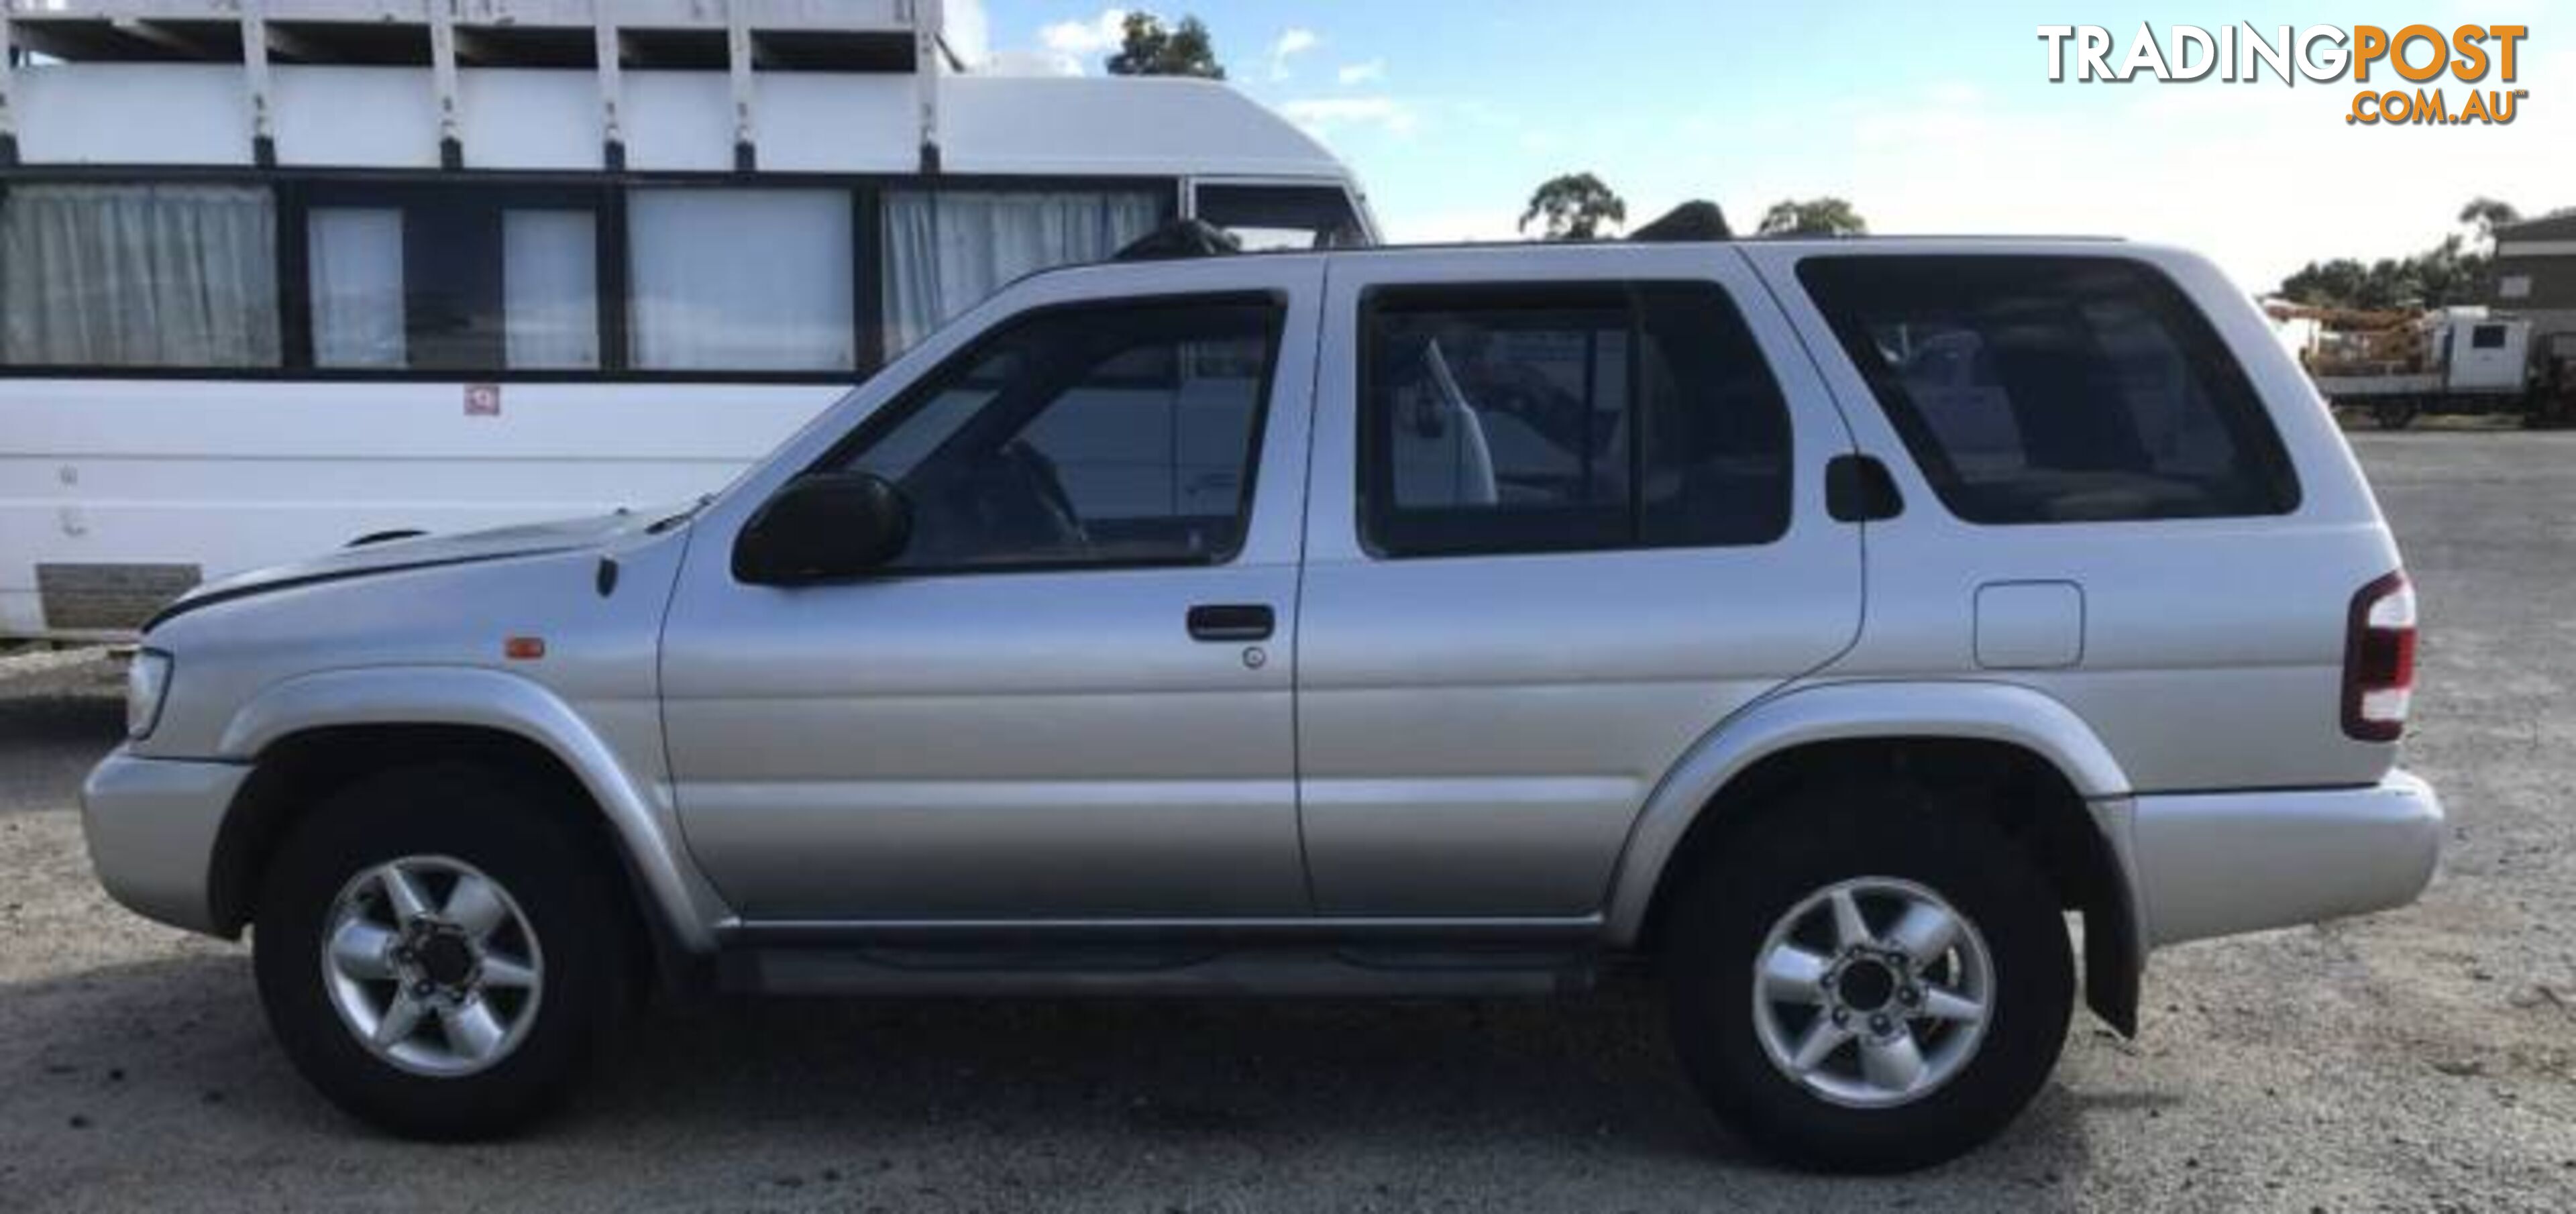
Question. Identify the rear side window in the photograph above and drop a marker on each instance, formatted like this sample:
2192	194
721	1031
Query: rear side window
2055	389
1553	418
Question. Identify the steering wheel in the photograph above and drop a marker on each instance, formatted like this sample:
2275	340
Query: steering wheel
1005	504
1057	517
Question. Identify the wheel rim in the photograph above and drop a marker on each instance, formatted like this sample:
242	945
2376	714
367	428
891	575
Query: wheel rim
1872	992
432	965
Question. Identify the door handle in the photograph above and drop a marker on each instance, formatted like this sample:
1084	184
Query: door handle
1232	622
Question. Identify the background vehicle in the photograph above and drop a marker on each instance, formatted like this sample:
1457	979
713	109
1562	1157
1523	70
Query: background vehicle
282	277
1395	622
2553	381
2400	365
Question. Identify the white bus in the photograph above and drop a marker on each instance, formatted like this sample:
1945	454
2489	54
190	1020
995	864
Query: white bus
278	276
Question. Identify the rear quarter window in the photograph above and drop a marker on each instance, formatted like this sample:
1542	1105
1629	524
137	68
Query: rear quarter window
2055	389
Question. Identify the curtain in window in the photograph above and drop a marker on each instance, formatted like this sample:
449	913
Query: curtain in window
947	250
355	264
550	289
139	276
742	280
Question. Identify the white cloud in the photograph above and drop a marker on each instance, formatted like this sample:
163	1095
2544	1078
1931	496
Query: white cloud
1098	36
1291	43
1321	116
1361	73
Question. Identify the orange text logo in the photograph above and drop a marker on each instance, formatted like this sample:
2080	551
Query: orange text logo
2481	57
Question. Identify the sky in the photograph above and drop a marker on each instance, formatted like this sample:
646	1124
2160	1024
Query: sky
1930	118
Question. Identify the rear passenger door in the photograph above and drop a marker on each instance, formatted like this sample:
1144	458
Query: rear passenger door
1566	512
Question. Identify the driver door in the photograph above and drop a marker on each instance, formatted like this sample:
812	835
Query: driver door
1070	697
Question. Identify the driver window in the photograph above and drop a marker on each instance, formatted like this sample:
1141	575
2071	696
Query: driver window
1099	436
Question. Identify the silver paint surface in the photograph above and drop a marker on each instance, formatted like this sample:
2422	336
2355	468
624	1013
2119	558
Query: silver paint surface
1451	740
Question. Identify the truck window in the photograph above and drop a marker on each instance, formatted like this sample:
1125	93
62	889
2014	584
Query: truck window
139	276
741	279
1282	217
2098	392
2487	337
442	279
946	250
1094	436
1566	418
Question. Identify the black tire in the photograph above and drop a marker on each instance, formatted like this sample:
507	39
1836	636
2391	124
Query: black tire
522	834
2394	415
1717	929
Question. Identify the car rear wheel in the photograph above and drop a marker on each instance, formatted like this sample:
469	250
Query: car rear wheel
1874	984
442	950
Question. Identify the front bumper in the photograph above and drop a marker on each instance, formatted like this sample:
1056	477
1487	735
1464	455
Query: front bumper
2216	864
151	825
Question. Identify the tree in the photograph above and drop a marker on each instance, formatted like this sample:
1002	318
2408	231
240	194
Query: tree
2384	285
2489	214
2327	284
1151	49
1574	206
2449	273
2437	278
1814	217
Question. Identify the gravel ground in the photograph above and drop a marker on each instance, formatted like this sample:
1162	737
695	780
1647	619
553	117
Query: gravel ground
2420	1060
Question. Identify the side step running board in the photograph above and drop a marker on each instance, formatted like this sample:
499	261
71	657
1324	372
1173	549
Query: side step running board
1376	973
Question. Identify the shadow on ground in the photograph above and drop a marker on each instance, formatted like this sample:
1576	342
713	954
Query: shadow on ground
981	1104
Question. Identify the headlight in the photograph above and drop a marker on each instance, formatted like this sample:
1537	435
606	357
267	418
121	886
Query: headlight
147	680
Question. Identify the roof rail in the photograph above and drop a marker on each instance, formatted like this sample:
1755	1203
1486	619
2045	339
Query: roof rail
1698	219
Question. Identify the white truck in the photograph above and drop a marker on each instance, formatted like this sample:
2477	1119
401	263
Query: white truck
2402	365
277	276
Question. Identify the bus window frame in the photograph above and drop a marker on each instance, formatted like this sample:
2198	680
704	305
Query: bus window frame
296	191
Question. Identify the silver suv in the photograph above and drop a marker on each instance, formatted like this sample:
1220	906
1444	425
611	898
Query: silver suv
1816	623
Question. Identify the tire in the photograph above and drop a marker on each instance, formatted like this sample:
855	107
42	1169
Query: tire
2394	415
565	922
1731	914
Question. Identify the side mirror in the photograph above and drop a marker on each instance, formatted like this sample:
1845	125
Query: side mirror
822	526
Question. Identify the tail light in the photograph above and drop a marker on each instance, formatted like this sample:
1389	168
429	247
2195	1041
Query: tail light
2379	660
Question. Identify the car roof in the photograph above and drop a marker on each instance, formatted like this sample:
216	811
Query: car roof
1553	250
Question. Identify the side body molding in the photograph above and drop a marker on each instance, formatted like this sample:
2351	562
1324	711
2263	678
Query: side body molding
1837	711
491	699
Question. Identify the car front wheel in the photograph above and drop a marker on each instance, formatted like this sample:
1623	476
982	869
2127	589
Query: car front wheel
442	951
